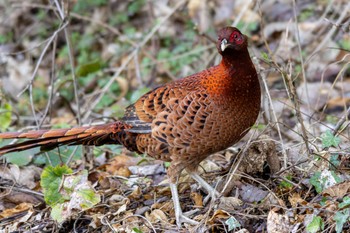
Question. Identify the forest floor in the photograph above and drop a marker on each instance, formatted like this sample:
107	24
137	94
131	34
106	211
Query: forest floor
64	63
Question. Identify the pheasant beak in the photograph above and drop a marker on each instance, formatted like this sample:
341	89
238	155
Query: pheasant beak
224	45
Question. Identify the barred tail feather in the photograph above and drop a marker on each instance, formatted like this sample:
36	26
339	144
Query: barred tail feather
49	139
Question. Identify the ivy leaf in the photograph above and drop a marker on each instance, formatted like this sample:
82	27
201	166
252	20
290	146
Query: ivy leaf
346	202
334	159
340	218
315	181
232	223
51	179
67	193
315	225
328	139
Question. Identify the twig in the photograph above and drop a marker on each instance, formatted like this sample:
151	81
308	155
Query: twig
345	13
30	84
297	37
341	122
290	89
130	57
295	99
263	78
71	60
241	13
51	87
238	162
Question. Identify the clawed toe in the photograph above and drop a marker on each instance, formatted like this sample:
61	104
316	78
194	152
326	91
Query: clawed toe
213	196
179	216
184	219
212	193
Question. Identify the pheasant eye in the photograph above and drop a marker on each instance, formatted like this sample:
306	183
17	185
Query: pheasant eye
236	37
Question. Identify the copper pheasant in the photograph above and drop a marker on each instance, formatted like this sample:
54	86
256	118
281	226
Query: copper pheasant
182	122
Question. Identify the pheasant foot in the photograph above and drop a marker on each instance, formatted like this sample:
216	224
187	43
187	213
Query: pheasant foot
179	216
212	193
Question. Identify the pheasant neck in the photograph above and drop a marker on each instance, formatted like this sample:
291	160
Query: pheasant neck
236	59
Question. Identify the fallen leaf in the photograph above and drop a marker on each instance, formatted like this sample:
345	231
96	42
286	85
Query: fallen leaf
250	193
219	214
337	190
295	200
229	204
278	222
157	215
119	164
147	170
136	193
121	209
26	176
197	199
19	208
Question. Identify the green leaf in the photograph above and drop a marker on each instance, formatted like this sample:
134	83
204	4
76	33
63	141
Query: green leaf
315	181
77	194
232	223
84	5
21	158
286	184
315	225
89	196
328	139
336	177
345	203
88	68
5	116
59	155
334	159
265	57
323	201
56	213
135	6
51	179
324	179
137	230
340	218
345	44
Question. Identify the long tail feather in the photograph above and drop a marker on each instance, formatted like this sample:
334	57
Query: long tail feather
49	139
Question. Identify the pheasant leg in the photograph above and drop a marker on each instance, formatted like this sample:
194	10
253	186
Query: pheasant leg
212	193
180	217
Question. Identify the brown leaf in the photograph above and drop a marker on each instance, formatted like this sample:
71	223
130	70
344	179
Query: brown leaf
120	163
219	214
19	208
250	193
18	197
338	190
197	199
295	200
136	193
229	204
278	222
157	215
22	175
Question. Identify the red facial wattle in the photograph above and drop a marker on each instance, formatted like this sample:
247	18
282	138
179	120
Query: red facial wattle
236	38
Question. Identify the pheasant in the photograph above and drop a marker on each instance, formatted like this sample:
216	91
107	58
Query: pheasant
181	122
